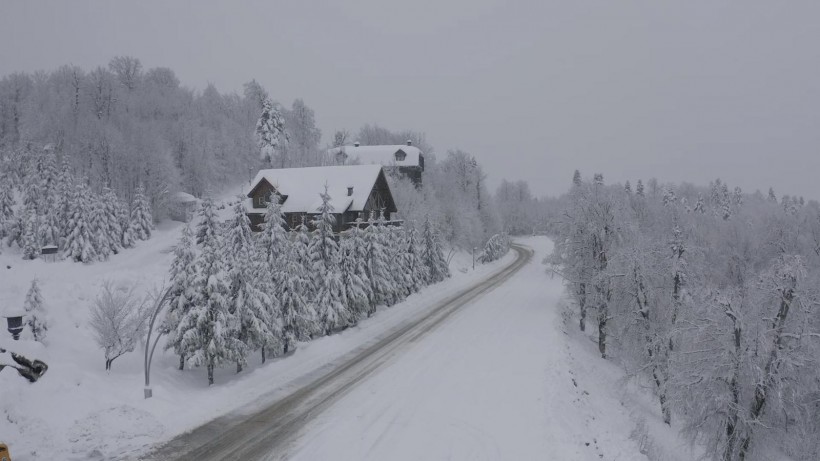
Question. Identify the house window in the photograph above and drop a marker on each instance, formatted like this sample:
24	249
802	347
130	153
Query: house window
261	201
295	220
400	155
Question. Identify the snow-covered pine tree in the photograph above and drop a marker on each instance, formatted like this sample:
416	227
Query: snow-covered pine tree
639	189
207	220
49	173
79	243
271	137
35	319
432	254
6	204
127	238
576	178
209	336
182	292
49	233
32	189
378	267
301	245
417	270
65	191
256	328
324	255
355	283
395	245
30	231
772	197
99	232
110	223
298	315
141	220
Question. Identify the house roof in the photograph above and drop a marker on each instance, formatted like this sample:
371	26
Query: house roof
381	155
302	186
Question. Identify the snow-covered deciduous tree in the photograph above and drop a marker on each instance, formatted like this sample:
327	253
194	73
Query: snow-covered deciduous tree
142	221
36	320
118	320
715	309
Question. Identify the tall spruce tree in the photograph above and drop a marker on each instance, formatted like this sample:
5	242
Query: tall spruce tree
324	255
432	254
79	243
257	329
209	328
29	241
378	267
141	220
182	292
355	283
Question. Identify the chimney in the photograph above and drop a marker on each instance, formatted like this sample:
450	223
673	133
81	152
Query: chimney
409	142
356	144
350	191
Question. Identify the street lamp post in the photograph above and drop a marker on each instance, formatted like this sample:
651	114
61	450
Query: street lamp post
161	300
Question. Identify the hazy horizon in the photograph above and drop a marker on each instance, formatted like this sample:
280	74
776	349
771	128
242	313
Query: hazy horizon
681	92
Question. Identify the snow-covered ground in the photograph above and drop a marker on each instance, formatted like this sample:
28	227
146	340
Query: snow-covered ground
78	411
502	379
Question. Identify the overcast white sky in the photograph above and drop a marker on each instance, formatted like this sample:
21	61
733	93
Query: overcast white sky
688	90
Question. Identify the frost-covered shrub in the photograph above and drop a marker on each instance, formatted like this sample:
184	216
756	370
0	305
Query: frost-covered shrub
497	246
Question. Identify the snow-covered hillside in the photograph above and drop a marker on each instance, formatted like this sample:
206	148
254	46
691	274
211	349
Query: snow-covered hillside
78	411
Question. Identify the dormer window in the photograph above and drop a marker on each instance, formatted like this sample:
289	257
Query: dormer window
400	155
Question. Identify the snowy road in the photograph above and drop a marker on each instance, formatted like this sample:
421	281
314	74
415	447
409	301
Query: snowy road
489	374
272	429
500	380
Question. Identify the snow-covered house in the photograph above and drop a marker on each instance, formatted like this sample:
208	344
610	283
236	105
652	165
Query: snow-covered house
406	160
355	191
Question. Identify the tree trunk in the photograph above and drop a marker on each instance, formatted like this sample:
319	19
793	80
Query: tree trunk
287	343
582	304
764	385
181	362
263	354
238	366
210	373
602	319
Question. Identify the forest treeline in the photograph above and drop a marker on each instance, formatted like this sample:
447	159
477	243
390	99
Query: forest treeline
709	295
120	127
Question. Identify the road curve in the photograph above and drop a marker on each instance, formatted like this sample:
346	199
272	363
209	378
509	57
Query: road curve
267	433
